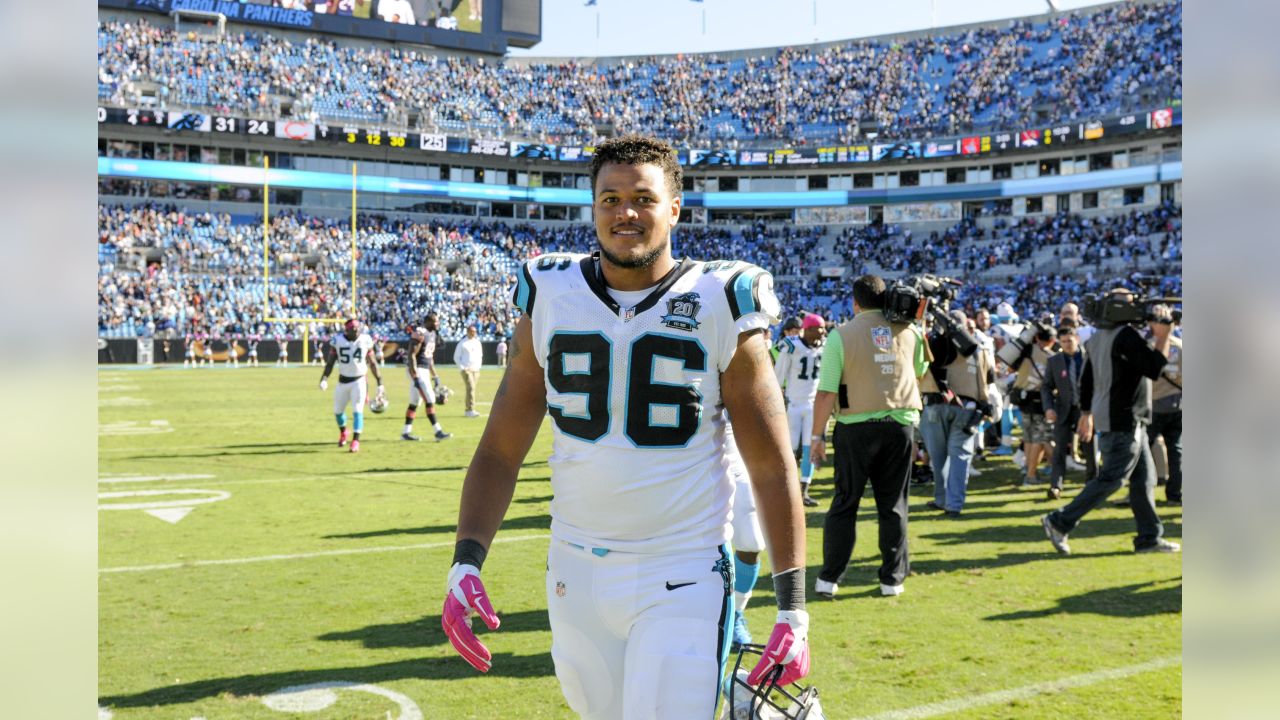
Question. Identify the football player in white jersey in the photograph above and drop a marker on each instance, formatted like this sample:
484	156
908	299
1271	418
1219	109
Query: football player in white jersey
797	371
352	350
632	353
422	367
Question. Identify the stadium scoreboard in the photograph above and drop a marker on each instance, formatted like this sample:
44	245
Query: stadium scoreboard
1053	136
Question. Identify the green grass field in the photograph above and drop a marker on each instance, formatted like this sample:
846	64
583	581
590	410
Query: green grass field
303	564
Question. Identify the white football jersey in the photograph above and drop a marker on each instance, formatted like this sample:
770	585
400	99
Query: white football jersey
352	354
634	396
797	370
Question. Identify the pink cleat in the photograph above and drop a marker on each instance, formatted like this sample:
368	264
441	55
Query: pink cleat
342	437
355	446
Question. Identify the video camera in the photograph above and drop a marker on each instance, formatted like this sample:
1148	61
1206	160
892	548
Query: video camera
912	298
1112	309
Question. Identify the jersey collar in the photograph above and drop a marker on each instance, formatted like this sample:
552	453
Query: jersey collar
590	266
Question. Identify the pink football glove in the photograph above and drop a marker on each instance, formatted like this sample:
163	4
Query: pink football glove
788	648
467	597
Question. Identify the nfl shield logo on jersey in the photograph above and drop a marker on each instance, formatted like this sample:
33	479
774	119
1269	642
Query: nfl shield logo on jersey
682	312
882	337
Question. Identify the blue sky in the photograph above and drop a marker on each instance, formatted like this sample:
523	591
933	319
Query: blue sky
650	27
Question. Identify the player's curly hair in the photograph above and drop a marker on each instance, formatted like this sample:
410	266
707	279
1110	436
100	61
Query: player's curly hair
639	150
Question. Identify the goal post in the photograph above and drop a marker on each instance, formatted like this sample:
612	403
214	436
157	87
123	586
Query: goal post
266	261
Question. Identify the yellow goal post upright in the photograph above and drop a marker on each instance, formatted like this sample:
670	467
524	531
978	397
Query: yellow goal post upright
266	262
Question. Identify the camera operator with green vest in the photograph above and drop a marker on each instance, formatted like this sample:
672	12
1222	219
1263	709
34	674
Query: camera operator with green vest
871	368
1115	401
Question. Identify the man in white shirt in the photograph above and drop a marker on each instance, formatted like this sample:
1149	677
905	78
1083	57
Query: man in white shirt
469	356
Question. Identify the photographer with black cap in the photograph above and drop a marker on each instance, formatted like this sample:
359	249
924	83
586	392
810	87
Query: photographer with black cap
1115	401
954	393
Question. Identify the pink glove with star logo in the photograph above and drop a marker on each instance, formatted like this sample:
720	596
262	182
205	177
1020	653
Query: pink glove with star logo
467	597
788	649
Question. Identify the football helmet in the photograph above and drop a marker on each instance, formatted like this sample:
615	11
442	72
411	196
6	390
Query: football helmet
378	404
442	393
768	701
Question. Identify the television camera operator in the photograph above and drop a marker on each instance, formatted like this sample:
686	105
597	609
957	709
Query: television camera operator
871	367
1115	402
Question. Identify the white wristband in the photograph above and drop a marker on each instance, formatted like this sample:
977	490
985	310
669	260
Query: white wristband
819	438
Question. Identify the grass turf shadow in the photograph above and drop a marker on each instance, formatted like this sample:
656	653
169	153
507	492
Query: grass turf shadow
426	631
446	668
1132	601
1034	532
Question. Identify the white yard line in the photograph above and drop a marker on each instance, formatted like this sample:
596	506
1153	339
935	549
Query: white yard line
211	479
303	556
1025	693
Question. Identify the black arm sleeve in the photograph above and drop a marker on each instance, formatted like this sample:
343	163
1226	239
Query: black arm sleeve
1132	349
1086	386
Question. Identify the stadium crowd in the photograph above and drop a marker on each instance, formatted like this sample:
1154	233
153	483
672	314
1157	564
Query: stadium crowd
1133	239
1081	64
166	271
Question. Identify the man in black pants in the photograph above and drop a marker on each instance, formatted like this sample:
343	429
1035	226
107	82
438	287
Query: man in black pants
1060	395
872	368
1115	400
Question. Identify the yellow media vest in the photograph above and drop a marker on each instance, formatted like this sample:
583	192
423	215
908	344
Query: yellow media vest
879	365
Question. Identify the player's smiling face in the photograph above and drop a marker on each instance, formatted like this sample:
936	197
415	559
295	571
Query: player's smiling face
634	212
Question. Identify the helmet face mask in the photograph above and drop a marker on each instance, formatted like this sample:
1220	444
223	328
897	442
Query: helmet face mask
768	701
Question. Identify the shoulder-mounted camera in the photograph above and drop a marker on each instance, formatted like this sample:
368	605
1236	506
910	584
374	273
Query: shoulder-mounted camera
916	297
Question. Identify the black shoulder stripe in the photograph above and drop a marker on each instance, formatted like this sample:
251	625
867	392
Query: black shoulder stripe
525	292
734	310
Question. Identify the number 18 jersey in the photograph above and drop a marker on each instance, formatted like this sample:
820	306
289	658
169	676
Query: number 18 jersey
634	398
797	370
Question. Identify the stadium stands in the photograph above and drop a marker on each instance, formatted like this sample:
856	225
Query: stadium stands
1017	73
163	270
